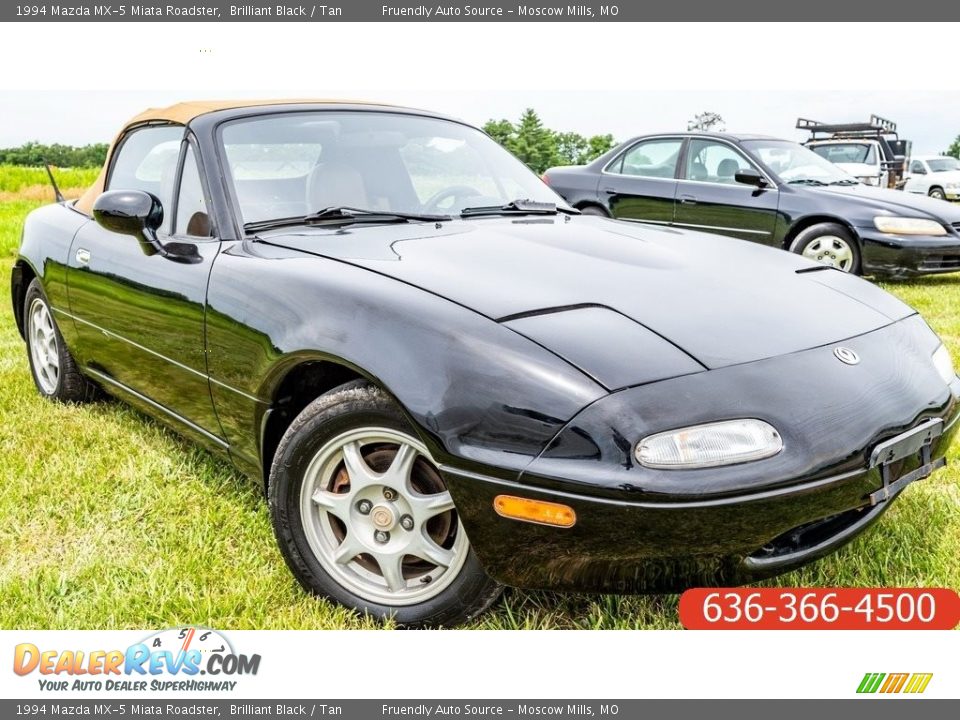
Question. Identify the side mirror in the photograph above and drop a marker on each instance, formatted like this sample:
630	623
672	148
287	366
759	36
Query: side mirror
749	176
131	212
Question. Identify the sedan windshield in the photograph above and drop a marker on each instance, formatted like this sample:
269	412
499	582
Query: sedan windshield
298	165
944	164
798	165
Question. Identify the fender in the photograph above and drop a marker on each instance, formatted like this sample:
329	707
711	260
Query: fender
462	378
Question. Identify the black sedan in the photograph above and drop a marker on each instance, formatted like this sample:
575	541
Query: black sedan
447	380
769	191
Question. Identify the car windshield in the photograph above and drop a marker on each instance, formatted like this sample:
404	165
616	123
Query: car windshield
297	164
847	152
796	164
944	164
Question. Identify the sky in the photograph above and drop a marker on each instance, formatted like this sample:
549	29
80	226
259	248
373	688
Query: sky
930	118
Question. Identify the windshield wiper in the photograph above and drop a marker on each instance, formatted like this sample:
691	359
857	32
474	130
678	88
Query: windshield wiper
343	215
517	207
845	181
807	181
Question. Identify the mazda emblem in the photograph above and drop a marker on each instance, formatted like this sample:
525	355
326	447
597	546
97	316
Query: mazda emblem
846	356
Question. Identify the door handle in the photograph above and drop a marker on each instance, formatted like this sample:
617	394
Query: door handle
688	200
83	256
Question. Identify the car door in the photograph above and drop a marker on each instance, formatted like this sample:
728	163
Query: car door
641	182
918	182
140	318
710	199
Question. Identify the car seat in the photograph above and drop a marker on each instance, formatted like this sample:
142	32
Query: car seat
727	169
335	184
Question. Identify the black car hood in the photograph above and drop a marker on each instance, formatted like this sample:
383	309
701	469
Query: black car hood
719	300
897	201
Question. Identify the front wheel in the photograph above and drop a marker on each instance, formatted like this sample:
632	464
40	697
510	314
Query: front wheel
363	516
830	244
937	193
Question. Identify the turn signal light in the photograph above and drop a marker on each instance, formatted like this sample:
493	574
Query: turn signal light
534	511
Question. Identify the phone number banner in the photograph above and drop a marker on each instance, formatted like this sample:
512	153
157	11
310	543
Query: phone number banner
500	11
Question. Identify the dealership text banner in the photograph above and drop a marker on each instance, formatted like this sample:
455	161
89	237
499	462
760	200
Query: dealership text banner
490	11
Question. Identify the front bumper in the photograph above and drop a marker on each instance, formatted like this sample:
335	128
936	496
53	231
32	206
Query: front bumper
898	256
642	530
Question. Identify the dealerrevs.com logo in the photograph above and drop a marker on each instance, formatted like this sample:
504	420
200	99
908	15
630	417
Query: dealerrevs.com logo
179	659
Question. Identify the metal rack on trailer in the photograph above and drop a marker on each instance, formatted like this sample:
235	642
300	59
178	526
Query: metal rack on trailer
893	152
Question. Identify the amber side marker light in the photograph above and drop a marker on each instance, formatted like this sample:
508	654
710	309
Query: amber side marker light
534	511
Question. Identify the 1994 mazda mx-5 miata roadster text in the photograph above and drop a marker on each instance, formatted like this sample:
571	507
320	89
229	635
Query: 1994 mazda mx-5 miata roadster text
447	380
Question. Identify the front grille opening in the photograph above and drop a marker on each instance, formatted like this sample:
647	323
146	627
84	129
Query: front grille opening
804	537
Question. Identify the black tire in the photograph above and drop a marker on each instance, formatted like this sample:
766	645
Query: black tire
808	238
937	193
594	210
69	385
355	407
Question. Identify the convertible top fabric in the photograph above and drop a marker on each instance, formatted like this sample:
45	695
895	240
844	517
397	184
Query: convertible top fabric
183	113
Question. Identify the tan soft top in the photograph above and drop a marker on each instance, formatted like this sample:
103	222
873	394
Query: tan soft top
183	113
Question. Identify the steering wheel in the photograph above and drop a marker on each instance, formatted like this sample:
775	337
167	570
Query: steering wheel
457	192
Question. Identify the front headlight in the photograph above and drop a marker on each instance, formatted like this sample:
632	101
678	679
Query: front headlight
700	446
952	185
944	364
908	226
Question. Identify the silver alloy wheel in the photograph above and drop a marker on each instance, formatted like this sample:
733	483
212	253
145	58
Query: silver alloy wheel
831	250
43	346
938	194
378	519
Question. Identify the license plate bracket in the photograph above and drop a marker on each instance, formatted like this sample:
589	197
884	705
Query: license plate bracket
919	440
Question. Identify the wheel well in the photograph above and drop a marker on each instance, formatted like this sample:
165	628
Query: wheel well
935	187
589	203
806	222
303	384
22	277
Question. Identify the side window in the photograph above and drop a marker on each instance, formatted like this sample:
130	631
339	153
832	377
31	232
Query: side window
192	217
714	162
147	160
917	167
651	158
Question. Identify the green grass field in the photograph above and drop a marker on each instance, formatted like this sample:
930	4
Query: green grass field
107	520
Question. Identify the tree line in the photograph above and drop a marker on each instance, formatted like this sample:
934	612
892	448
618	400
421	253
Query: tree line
34	154
528	138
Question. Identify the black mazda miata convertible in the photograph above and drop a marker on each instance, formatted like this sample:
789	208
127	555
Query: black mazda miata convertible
447	380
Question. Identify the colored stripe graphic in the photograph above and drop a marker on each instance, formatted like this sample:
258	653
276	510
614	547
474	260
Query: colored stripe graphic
918	683
893	683
870	682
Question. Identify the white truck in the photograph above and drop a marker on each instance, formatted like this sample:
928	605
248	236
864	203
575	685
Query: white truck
935	175
871	151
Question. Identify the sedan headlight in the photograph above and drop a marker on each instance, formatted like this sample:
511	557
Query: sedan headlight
700	446
944	364
908	226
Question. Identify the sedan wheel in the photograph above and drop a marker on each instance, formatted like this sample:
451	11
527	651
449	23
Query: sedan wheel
830	244
830	250
363	516
937	193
